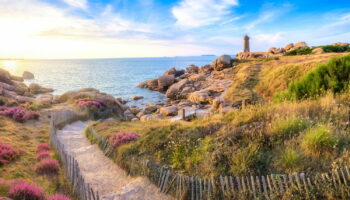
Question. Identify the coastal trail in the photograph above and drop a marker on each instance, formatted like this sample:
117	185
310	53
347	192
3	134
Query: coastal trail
102	173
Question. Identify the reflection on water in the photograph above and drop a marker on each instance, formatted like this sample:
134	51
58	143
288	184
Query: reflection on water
118	77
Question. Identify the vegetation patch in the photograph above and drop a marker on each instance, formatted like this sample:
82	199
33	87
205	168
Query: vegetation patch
333	76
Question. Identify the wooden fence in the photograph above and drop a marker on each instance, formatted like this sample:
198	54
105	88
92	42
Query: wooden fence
72	170
228	187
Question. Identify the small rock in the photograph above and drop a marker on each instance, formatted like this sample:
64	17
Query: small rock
27	75
202	96
175	72
151	117
135	98
175	89
168	111
35	88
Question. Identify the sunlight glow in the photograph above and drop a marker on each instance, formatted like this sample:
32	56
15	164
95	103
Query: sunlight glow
10	65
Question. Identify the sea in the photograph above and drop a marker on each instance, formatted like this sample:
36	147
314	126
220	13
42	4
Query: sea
118	77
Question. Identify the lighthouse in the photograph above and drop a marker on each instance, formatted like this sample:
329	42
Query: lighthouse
246	47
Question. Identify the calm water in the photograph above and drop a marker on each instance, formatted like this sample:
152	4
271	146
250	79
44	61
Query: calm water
118	77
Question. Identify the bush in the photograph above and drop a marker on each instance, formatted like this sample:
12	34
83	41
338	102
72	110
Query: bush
38	106
43	147
19	113
286	128
42	155
123	138
47	166
26	191
333	76
335	48
7	153
300	51
289	160
318	140
58	197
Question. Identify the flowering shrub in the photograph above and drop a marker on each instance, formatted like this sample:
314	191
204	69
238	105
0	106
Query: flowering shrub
26	191
7	153
42	147
47	166
123	138
19	113
91	104
42	155
58	197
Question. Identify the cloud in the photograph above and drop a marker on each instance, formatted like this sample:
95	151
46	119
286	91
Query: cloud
82	4
197	13
267	14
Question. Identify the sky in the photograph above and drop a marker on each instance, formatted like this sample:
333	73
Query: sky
156	28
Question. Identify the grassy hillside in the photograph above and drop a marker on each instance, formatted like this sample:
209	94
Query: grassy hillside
309	135
26	137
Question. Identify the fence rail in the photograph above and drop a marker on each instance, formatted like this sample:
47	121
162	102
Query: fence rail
73	174
227	187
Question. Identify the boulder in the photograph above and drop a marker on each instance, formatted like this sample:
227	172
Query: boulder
318	51
300	45
135	109
27	75
5	79
192	69
151	117
135	98
35	88
202	96
23	99
288	46
169	111
221	63
175	72
129	115
150	109
45	99
175	89
150	84
165	81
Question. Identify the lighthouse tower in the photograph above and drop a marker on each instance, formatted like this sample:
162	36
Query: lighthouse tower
246	47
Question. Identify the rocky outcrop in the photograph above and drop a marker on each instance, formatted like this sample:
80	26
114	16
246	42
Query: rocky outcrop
221	63
274	50
340	44
35	88
202	96
27	75
288	47
299	45
252	55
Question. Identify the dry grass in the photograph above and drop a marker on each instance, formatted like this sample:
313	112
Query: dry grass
26	137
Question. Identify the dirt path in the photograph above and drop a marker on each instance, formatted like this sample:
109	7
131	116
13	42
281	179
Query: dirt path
101	173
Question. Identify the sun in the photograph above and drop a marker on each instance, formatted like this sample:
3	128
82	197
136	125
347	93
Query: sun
9	65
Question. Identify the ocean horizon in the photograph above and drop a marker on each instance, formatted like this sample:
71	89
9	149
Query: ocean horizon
118	77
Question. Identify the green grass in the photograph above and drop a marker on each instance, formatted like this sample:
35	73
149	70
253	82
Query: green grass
319	140
333	76
290	160
300	51
287	128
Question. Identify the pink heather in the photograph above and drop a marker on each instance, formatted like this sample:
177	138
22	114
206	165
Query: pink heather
7	153
43	147
123	138
42	155
19	113
58	197
26	191
90	103
47	166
